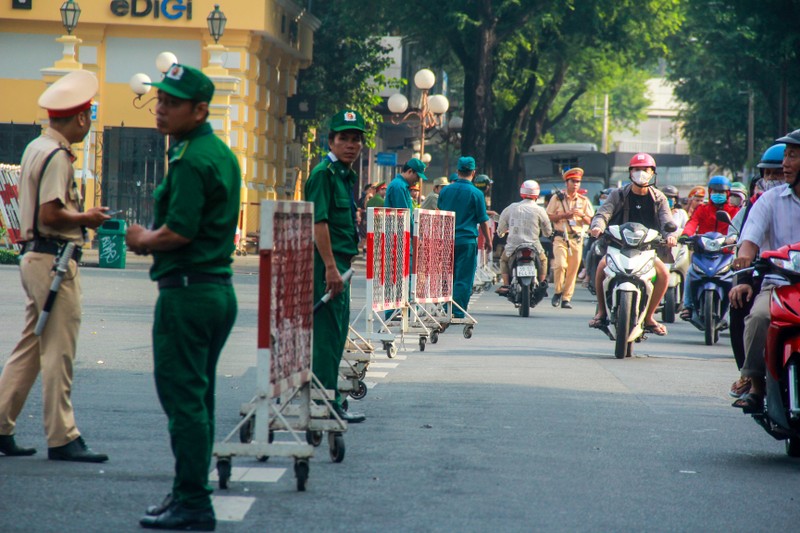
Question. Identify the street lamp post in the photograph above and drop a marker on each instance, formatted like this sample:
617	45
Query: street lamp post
70	13
431	108
140	82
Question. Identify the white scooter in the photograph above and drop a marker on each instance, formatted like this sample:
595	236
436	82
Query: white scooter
678	271
628	285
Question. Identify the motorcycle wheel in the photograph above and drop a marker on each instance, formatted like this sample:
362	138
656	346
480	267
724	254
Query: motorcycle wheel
710	304
623	328
668	312
525	301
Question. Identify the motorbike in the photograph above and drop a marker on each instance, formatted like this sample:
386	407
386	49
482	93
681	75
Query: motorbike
628	285
712	263
525	291
678	270
781	415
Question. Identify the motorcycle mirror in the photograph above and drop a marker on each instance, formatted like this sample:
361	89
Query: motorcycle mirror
723	216
669	227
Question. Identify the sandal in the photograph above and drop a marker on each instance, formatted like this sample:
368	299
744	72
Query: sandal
740	387
686	314
599	321
656	329
750	403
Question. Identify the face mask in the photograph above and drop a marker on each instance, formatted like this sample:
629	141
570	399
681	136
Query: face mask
671	202
640	177
602	201
765	185
736	200
718	198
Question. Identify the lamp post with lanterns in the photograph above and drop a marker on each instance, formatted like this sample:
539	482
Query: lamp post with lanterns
431	107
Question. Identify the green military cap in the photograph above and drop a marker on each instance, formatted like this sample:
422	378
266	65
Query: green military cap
186	82
466	163
348	119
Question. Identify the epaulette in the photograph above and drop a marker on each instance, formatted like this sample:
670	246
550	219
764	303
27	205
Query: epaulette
180	149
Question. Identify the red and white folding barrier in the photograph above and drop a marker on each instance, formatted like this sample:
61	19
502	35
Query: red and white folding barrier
434	241
388	247
9	204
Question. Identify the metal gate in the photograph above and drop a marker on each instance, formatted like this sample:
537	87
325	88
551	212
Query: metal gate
133	166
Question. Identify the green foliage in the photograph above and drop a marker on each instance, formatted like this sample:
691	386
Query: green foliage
8	257
724	51
347	67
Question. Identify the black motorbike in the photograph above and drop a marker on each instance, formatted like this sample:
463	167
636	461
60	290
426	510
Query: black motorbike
526	291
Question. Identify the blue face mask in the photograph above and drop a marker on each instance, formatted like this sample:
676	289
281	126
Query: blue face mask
718	198
671	202
602	201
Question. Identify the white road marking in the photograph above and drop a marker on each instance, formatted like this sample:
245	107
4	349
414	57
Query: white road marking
383	365
370	384
255	474
372	374
231	508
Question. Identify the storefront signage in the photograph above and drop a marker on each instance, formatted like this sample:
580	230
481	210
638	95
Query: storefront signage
169	9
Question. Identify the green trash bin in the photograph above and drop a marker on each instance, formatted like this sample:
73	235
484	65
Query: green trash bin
111	241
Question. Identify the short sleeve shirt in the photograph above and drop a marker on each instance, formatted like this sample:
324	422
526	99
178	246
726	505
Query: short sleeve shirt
57	184
330	187
199	200
558	206
469	205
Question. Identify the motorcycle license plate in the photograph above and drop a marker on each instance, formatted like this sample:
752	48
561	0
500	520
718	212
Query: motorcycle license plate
524	271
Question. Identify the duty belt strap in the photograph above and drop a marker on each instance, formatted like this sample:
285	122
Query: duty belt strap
184	280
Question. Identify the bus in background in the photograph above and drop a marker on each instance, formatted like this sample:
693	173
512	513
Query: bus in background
545	163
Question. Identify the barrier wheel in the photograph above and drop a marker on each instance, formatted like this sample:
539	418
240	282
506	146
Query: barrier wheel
336	447
246	431
224	471
301	470
265	458
362	374
360	392
434	337
467	332
391	349
422	341
314	438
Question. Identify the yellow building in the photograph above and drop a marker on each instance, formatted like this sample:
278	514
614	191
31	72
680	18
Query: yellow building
254	66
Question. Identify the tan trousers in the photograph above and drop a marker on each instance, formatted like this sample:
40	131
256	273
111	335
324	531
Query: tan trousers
567	256
756	325
53	353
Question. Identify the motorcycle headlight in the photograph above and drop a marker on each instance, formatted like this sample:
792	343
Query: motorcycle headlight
698	270
725	269
644	268
633	238
792	264
712	245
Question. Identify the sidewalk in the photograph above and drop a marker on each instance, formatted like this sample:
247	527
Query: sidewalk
91	259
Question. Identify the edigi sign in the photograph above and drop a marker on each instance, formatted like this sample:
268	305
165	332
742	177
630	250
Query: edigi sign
169	9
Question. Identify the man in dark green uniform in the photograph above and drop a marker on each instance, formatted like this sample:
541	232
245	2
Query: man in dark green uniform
330	187
470	208
196	211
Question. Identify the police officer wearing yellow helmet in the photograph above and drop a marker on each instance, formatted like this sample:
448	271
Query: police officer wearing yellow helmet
192	241
51	212
330	187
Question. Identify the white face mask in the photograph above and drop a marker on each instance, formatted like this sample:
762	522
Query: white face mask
641	177
765	185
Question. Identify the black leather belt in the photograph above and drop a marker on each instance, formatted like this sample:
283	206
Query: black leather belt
557	233
184	280
52	247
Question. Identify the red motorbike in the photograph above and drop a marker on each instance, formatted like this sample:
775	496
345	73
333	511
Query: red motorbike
781	416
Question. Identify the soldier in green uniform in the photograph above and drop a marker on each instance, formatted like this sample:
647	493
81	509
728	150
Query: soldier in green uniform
196	211
330	187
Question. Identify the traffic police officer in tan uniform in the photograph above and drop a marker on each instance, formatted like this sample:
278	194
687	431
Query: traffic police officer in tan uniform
570	213
51	212
330	187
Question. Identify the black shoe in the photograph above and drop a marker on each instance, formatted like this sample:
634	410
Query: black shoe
565	304
350	418
76	450
176	516
556	301
155	510
10	448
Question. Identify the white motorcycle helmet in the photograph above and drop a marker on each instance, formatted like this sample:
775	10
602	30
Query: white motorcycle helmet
529	189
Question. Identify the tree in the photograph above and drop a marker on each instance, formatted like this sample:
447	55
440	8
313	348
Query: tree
527	62
347	66
724	51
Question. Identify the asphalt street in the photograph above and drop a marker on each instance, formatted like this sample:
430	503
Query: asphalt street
530	425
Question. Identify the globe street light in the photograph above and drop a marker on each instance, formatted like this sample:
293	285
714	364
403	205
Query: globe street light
140	82
431	109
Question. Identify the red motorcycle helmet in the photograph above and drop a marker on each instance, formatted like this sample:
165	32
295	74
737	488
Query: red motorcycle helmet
642	160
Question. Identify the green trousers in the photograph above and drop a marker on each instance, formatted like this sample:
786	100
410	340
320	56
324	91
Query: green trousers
190	328
331	325
465	262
